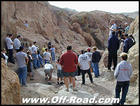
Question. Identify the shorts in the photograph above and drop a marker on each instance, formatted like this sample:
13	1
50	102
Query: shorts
48	72
69	74
59	74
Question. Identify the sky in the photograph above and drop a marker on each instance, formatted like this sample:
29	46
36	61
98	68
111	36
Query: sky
113	7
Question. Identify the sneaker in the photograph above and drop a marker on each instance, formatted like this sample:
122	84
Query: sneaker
24	86
61	83
57	83
67	90
74	89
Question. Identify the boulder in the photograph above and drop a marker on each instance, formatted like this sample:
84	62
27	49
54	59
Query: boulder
10	87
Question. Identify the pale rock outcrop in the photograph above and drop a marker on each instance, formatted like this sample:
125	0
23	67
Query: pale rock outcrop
10	86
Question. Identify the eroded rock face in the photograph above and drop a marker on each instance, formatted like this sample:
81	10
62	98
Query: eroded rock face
10	87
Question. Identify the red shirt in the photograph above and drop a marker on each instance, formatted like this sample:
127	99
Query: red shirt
69	60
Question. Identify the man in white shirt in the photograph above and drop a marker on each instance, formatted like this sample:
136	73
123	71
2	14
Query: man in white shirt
34	54
17	43
113	27
47	56
84	63
9	44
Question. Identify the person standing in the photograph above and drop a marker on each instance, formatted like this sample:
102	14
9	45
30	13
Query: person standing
113	26
126	28
89	53
10	43
59	73
52	49
96	56
122	73
113	46
17	43
69	61
84	63
47	56
22	60
34	55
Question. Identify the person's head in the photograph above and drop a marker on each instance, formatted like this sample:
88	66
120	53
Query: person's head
88	49
126	24
18	36
82	51
125	36
21	48
34	43
58	59
46	49
69	47
94	48
10	35
113	32
52	46
26	21
28	52
112	21
3	50
124	56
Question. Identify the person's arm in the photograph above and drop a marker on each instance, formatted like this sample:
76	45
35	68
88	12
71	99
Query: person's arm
116	73
131	70
61	60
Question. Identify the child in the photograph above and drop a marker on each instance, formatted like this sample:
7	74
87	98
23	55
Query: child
30	65
59	73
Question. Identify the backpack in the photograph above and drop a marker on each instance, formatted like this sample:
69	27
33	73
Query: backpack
131	41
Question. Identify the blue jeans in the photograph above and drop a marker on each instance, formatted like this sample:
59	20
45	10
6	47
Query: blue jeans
124	87
53	56
10	56
34	60
22	74
96	69
46	61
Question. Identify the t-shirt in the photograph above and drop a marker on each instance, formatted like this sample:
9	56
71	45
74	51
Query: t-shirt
47	56
34	49
5	57
26	25
17	43
84	62
52	50
114	26
8	43
89	54
58	66
69	60
20	58
48	66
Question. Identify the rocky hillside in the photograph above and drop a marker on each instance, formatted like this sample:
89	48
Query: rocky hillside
49	23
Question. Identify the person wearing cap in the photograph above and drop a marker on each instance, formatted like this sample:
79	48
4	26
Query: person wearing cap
113	46
17	43
122	73
113	26
126	28
22	60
